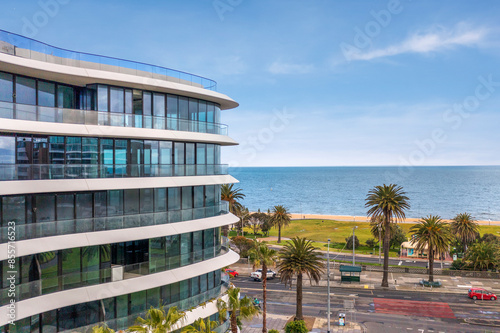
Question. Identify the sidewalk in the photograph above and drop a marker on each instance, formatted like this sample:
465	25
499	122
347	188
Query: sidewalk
278	322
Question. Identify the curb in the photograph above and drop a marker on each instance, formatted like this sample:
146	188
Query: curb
483	322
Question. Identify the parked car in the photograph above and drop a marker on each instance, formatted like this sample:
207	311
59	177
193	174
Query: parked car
257	275
480	293
232	272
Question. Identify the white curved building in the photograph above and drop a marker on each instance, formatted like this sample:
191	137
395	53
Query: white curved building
110	181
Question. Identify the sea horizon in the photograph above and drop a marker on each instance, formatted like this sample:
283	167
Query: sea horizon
341	190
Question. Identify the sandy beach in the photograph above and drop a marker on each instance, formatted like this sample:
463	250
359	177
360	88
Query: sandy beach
351	218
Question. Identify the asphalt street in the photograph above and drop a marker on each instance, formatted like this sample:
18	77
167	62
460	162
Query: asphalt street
383	311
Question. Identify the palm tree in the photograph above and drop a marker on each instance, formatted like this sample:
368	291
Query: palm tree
238	308
299	257
102	329
433	234
465	229
201	326
233	197
262	255
388	202
483	255
157	320
280	218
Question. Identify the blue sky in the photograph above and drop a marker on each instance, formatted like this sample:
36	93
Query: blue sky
319	82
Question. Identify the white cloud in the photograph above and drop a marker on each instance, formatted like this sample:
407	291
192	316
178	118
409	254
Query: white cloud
278	67
434	40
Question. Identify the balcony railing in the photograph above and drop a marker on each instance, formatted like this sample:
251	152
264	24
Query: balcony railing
89	117
56	228
86	171
56	283
24	47
182	305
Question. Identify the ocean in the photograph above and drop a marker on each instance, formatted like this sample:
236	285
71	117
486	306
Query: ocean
444	191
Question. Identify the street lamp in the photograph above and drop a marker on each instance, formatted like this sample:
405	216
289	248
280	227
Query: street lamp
328	282
379	243
353	243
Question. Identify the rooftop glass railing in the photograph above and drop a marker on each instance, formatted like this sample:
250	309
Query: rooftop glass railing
89	117
67	227
88	171
55	283
24	47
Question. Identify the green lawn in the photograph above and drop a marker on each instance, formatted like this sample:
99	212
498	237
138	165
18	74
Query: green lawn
320	230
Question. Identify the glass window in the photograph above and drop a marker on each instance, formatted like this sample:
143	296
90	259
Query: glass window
128	101
14	209
201	153
137	302
65	207
193	109
136	151
172	107
208	238
151	152
210	154
146	200
102	98
186	248
71	267
199	196
40	151
187	197
210	195
174	198
46	94
202	111
190	154
198	245
195	286
179	153
25	90
24	147
122	306
90	263
7	149
160	199
45	207
184	289
211	280
116	100
66	97
146	110
217	114
49	322
203	283
175	291
156	254
165	152
210	112
183	108
100	204
120	157
115	203
73	150
90	151
159	105
84	205
6	87
153	298
131	201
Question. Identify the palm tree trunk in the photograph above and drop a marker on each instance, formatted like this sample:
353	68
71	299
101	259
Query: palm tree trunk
431	265
234	323
279	233
264	297
387	241
298	312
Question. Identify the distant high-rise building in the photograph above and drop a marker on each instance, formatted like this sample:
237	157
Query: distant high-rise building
110	199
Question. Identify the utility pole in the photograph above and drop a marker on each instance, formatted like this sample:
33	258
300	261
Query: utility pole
328	282
353	243
379	243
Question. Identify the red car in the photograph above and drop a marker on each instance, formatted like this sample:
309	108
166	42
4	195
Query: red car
480	293
232	272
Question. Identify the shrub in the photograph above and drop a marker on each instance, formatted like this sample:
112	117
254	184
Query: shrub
370	242
458	265
273	331
296	326
349	242
243	244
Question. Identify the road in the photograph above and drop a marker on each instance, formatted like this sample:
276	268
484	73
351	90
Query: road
381	311
392	261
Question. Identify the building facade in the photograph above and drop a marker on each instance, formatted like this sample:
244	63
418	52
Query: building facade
110	179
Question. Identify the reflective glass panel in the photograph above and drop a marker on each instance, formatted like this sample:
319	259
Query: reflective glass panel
46	94
25	90
66	97
102	98
7	149
116	100
6	87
